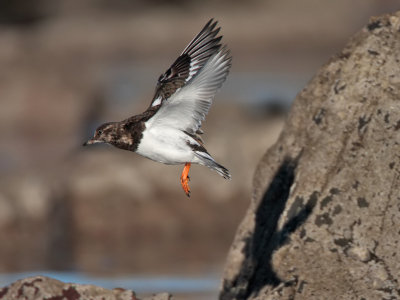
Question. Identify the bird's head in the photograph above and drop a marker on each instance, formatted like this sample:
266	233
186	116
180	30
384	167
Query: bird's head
105	133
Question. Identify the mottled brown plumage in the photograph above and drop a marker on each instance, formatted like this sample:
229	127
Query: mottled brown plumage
125	134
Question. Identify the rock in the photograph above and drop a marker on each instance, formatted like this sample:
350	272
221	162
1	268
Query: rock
160	296
45	288
34	221
325	213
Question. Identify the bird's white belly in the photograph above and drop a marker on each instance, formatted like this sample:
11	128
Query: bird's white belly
168	146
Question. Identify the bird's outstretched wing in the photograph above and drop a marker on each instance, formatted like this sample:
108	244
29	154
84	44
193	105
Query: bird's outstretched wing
185	92
193	58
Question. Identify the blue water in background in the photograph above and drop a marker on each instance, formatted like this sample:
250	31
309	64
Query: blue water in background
139	284
124	83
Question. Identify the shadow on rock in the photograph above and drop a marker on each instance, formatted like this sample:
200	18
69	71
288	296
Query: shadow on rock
257	269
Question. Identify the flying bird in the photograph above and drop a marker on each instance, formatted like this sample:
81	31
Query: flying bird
168	131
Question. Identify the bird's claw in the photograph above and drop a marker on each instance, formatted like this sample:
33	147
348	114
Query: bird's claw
185	179
185	185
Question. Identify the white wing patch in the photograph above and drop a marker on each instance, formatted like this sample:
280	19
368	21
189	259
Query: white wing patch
192	71
157	101
187	107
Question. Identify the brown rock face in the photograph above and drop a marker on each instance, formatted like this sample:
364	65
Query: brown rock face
45	288
324	222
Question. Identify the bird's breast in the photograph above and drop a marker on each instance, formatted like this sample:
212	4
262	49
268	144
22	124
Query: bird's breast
167	146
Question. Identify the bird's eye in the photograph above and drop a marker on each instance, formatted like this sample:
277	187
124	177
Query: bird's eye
99	132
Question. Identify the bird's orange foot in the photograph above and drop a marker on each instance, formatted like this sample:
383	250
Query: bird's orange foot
185	179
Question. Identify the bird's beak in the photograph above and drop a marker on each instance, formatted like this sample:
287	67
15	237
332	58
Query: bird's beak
90	142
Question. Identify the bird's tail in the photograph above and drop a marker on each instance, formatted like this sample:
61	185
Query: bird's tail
208	161
221	170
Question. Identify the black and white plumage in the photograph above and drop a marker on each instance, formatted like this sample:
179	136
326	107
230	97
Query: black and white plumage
168	130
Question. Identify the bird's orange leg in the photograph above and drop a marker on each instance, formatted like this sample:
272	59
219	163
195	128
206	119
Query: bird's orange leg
185	179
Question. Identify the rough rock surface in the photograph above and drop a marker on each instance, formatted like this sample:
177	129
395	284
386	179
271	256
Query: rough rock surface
45	288
324	222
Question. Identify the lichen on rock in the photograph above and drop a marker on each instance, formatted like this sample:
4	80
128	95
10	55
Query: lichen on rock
325	213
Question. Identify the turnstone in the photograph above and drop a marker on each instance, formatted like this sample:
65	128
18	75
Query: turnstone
168	131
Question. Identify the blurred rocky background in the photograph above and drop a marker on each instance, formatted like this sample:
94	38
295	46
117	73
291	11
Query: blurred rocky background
67	66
